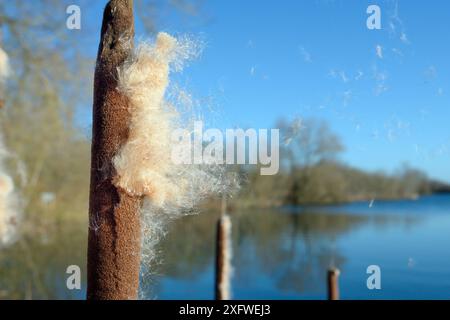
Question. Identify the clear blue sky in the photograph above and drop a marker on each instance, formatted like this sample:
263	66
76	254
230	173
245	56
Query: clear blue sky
269	59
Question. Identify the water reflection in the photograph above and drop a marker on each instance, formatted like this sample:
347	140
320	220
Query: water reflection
34	267
283	251
276	254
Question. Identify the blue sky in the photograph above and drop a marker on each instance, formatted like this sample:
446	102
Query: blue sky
264	60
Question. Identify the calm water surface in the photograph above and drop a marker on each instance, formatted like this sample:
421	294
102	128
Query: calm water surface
277	254
284	254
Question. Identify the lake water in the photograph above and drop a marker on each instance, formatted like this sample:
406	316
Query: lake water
277	254
284	254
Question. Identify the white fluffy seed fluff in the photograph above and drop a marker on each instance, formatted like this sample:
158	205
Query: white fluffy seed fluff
9	216
4	65
143	165
8	202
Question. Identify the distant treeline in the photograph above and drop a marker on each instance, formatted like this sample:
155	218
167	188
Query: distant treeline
330	182
312	174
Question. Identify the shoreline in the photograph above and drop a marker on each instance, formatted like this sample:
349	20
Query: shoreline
239	205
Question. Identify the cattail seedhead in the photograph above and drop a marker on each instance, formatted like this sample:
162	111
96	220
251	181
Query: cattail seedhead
4	65
144	166
223	259
9	214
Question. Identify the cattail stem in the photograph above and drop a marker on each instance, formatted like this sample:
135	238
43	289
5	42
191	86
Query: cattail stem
223	259
333	284
114	233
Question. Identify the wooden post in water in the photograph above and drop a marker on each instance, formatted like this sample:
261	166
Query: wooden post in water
223	256
333	284
114	222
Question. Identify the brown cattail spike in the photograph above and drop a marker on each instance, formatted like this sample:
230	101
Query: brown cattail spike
223	259
115	231
333	284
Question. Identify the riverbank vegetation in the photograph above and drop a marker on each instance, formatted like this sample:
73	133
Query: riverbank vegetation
313	174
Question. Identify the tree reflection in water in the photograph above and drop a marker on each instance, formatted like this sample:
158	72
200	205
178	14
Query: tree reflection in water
292	249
